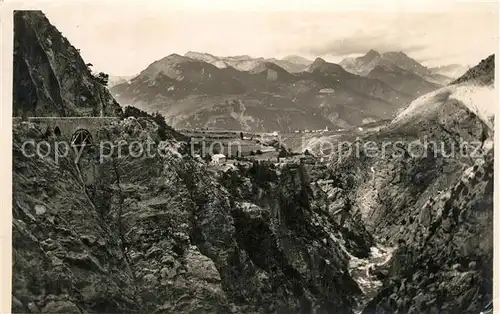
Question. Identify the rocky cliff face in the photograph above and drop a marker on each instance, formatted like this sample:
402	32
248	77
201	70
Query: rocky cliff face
445	264
432	201
50	77
64	254
161	235
483	73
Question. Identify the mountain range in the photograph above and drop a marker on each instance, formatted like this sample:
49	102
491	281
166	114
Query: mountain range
364	64
259	94
292	64
118	79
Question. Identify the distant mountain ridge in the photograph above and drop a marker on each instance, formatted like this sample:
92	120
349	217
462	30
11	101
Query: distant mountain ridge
364	64
255	94
320	65
115	79
291	64
451	70
259	94
177	76
402	80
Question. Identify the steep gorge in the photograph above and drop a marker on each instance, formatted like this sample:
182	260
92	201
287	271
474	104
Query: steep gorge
432	202
167	234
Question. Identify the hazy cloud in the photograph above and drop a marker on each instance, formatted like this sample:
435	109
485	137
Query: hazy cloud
132	37
360	45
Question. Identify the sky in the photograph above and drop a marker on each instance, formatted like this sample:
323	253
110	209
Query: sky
123	38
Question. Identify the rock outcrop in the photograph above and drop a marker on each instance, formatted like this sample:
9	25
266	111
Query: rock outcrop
50	77
483	73
425	186
66	259
159	234
445	264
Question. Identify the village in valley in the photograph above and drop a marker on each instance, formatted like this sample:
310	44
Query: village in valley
225	149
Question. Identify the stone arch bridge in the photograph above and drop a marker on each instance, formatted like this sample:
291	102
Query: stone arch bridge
68	127
86	129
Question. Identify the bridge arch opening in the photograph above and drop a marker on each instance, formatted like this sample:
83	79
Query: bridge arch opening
81	137
57	131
